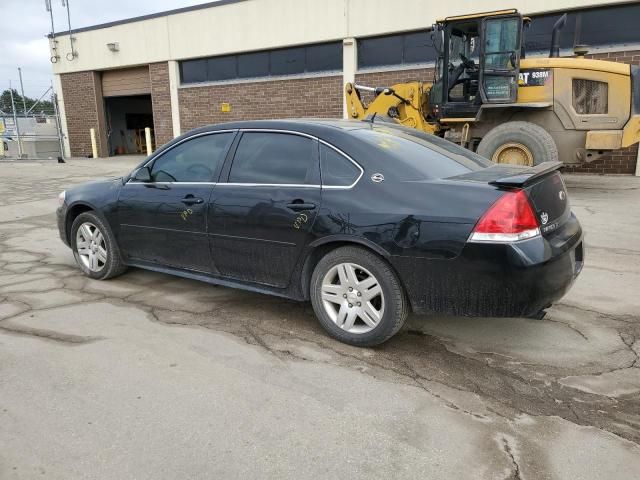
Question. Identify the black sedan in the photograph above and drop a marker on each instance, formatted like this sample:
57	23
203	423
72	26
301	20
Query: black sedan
367	220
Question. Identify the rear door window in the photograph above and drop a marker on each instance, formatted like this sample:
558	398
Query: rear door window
336	169
274	158
195	160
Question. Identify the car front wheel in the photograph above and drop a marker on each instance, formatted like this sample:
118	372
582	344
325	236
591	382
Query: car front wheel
94	247
357	297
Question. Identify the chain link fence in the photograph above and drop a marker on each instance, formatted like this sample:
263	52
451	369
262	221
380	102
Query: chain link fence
30	129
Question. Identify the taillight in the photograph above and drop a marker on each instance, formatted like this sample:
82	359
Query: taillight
510	219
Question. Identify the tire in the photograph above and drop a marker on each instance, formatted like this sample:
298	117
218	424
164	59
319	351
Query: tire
535	138
106	243
371	274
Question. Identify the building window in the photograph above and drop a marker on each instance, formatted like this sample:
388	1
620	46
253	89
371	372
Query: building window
251	65
594	27
324	57
221	68
402	49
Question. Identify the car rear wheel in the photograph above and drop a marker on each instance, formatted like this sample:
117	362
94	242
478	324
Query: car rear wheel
94	247
357	297
518	143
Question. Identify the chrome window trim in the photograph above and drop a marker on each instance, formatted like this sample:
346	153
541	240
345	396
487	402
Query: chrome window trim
236	184
340	152
171	183
296	185
277	130
313	137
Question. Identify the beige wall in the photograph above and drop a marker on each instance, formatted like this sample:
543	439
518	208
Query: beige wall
261	24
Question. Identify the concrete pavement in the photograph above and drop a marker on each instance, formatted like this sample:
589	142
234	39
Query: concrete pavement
152	376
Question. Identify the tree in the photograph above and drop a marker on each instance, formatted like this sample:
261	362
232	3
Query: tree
43	106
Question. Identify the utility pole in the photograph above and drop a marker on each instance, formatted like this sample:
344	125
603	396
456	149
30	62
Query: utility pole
24	102
15	121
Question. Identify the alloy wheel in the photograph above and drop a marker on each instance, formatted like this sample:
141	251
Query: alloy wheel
91	247
352	298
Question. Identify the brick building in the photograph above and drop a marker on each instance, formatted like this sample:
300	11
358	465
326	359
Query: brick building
248	59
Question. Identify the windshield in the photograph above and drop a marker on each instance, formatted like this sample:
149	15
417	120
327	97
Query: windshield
425	156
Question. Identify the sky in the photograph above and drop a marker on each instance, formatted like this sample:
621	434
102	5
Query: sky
24	25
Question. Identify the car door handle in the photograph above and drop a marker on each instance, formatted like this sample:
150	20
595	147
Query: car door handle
191	200
299	206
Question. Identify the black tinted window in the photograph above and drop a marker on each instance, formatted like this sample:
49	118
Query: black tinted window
320	57
253	65
325	57
222	68
417	155
195	160
336	169
194	71
612	25
380	51
287	61
400	49
594	27
273	158
418	47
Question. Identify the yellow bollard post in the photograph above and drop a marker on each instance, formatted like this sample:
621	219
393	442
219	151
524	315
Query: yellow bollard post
147	136
94	145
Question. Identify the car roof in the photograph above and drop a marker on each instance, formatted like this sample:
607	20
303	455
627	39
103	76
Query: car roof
312	126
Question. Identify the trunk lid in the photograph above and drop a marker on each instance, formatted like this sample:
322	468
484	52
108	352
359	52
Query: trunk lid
549	199
544	186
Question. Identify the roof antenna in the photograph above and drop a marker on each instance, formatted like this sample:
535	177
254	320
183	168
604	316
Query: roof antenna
371	118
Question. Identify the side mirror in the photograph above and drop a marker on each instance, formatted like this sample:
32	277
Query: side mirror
143	174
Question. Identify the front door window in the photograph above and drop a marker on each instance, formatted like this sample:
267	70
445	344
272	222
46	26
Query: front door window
500	59
195	160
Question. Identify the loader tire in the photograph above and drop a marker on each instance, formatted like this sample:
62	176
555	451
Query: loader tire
518	143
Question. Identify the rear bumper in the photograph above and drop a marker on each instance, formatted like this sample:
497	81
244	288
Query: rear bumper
493	280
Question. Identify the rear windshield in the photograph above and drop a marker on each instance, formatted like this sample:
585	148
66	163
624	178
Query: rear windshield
423	156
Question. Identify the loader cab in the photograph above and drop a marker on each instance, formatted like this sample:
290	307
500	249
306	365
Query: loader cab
478	63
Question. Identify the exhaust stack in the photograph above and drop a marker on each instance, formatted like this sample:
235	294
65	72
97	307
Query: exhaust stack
554	52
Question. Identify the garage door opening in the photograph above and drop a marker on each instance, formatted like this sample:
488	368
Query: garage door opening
127	117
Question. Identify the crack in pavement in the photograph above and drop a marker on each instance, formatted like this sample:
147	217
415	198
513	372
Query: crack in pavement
625	318
508	450
630	344
516	402
568	325
48	334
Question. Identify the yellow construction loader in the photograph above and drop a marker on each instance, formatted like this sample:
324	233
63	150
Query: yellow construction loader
489	98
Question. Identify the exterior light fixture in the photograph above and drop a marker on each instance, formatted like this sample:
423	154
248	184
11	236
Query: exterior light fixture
114	46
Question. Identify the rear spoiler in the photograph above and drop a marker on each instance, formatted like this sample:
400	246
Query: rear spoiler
527	176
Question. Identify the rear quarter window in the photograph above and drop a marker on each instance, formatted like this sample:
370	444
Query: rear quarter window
336	169
419	156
